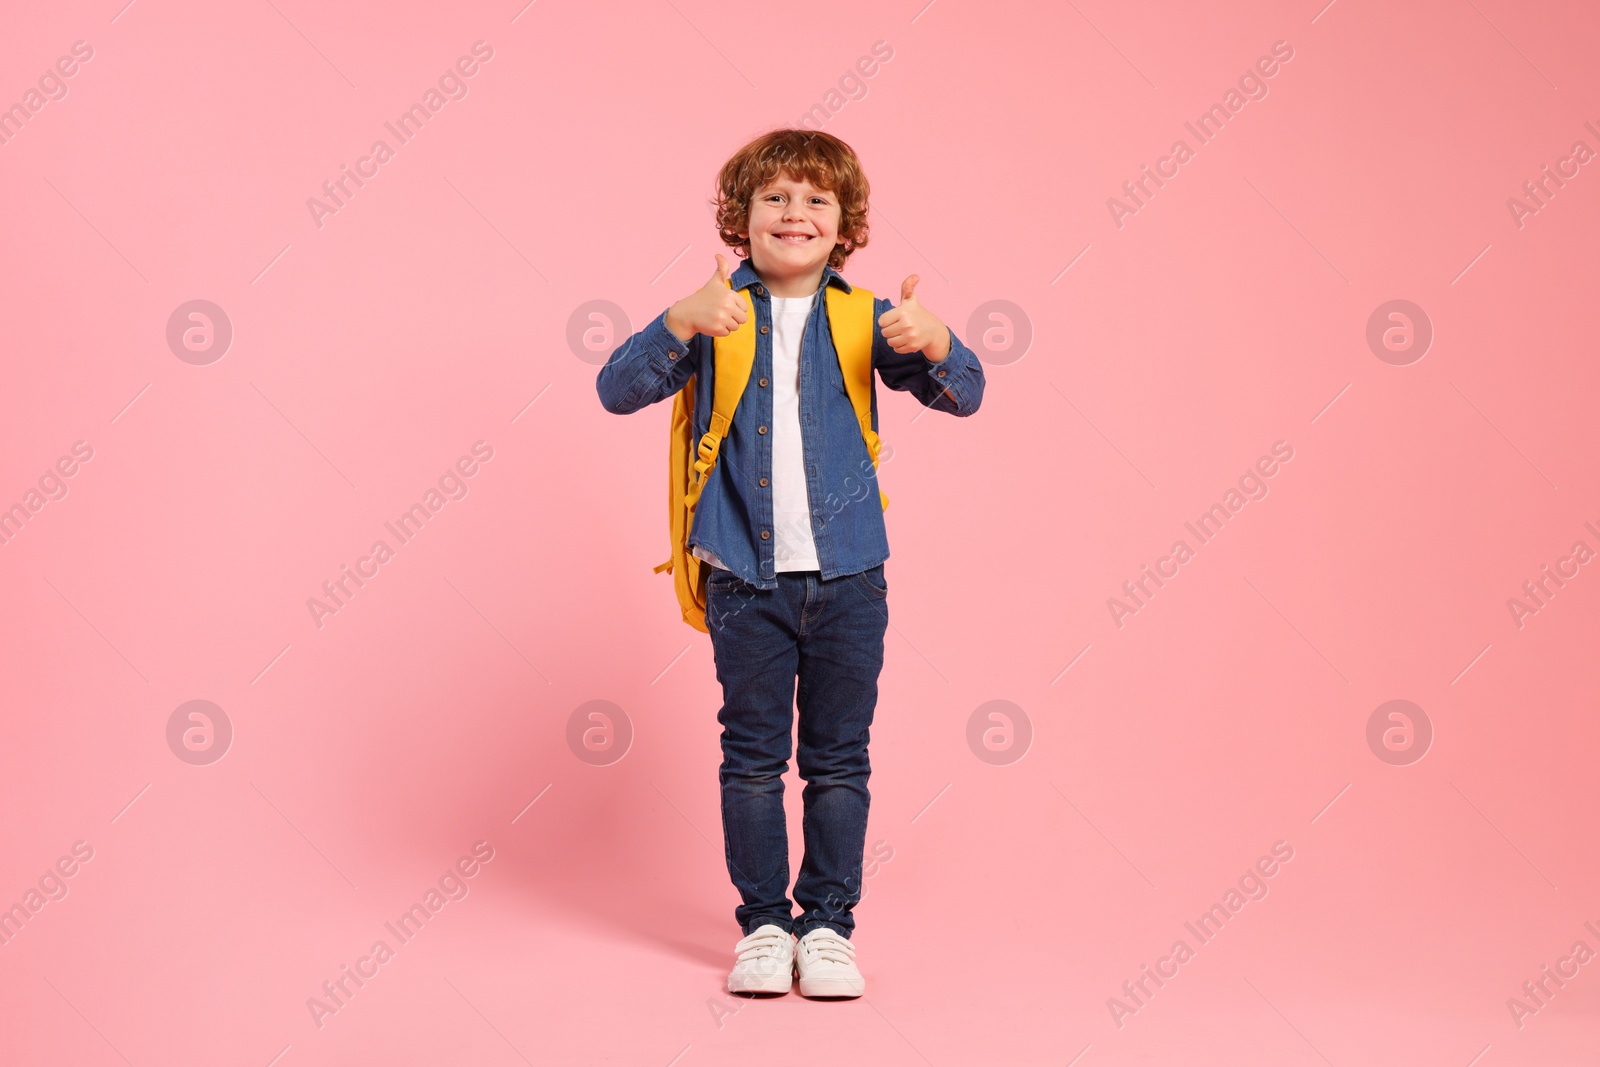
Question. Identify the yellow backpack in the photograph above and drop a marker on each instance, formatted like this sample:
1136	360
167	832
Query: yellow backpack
850	316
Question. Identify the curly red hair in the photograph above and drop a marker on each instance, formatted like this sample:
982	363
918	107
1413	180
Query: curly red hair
805	155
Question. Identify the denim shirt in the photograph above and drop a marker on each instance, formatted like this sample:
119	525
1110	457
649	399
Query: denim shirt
733	519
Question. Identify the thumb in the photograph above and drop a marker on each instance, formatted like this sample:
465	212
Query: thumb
907	288
721	275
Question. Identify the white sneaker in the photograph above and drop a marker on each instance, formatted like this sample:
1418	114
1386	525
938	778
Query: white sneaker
765	961
827	964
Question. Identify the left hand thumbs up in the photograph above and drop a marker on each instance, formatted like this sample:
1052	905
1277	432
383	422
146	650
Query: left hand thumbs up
907	289
912	327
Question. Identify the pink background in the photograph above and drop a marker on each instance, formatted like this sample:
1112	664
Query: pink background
1167	755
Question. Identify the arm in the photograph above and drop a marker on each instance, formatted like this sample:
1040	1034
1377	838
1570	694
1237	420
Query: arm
651	365
952	384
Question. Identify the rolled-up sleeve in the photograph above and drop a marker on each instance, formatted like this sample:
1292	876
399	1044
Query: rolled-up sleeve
651	365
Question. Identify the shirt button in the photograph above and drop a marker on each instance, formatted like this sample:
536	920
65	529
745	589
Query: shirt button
763	383
763	481
672	355
766	535
940	374
760	291
761	429
763	329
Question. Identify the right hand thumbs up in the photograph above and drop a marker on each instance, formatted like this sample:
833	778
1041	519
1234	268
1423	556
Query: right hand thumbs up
714	309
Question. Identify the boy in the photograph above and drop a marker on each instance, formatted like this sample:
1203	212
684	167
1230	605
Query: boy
796	589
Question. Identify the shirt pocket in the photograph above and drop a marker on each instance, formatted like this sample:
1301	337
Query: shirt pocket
834	373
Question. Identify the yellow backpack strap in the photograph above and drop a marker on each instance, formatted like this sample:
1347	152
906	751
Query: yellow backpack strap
850	318
734	355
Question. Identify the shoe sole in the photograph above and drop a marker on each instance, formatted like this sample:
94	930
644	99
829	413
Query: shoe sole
761	983
832	987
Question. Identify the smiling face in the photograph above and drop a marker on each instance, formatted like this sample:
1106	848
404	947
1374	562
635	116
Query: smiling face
793	227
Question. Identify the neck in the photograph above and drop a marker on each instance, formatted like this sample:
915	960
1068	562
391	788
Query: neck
790	285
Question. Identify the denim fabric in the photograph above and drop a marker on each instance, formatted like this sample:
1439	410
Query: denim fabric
828	633
734	517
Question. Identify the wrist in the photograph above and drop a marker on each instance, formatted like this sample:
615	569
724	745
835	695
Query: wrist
674	323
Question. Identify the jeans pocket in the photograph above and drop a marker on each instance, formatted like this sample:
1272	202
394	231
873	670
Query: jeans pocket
873	581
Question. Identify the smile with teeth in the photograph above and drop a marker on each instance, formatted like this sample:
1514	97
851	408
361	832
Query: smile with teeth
794	238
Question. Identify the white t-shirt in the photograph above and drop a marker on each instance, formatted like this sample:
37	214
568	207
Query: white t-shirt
794	549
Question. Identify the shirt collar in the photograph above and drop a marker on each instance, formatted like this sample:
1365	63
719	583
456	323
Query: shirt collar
745	275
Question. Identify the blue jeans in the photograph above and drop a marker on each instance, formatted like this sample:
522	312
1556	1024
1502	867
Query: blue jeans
829	635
